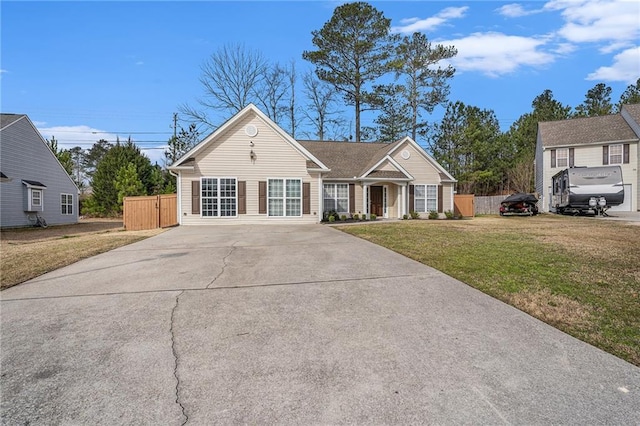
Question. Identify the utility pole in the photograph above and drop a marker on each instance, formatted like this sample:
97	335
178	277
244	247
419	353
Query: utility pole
175	124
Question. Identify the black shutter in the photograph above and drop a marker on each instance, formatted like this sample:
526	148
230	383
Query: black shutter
242	197
553	158
571	157
195	197
306	198
352	198
440	195
625	153
412	201
262	197
605	154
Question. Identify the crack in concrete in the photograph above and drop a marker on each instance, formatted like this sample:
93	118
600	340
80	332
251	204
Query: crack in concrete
224	264
176	360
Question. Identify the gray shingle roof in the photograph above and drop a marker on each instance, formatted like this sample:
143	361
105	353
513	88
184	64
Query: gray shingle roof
348	159
585	131
634	111
6	119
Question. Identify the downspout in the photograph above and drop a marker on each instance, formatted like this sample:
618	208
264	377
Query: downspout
178	190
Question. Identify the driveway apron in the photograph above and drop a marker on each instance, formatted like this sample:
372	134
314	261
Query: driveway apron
289	325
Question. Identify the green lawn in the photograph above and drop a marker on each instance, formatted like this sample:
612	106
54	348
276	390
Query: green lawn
581	275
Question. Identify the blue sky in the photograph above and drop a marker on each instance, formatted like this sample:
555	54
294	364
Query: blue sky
89	70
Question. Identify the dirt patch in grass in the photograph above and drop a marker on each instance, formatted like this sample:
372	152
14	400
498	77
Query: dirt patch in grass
554	309
29	252
578	274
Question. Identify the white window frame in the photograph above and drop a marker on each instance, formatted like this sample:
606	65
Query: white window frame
335	197
33	197
426	198
66	200
564	157
218	198
620	154
284	198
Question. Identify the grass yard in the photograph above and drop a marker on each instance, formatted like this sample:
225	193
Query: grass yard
578	274
29	252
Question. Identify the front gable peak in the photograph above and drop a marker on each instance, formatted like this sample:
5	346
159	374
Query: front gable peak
251	131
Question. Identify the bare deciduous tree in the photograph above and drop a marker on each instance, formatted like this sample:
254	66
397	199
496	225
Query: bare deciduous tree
229	78
321	110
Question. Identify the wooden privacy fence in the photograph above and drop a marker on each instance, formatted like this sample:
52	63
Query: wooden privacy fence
150	212
489	204
464	205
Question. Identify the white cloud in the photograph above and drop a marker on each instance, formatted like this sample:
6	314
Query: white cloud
613	23
70	136
496	54
515	10
625	68
411	25
156	155
565	48
85	136
139	63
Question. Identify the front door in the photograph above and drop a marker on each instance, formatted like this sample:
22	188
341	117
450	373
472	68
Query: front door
377	205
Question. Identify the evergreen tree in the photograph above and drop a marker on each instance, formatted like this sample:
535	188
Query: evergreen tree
394	121
519	144
94	155
630	96
425	86
105	199
354	48
466	144
128	183
63	155
597	102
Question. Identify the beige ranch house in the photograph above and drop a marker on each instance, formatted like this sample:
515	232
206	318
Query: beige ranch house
250	171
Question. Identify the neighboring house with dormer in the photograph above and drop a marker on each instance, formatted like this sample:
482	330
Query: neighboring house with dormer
251	171
33	181
589	142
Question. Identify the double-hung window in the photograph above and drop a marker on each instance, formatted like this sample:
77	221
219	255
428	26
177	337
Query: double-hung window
36	198
284	197
66	204
425	198
562	157
615	154
336	197
219	197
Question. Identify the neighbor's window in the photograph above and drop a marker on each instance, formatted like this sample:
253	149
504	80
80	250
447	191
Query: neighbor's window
66	204
36	198
218	197
615	154
336	197
562	157
284	197
425	198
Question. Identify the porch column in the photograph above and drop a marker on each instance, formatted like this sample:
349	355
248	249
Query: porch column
404	200
320	198
365	205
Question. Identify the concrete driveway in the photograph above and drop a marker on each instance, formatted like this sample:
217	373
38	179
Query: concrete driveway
290	325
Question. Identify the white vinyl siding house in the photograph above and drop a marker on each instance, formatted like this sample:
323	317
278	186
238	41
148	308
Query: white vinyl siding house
273	178
33	180
590	142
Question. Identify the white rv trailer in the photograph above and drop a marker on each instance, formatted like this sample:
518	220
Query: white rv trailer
586	190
